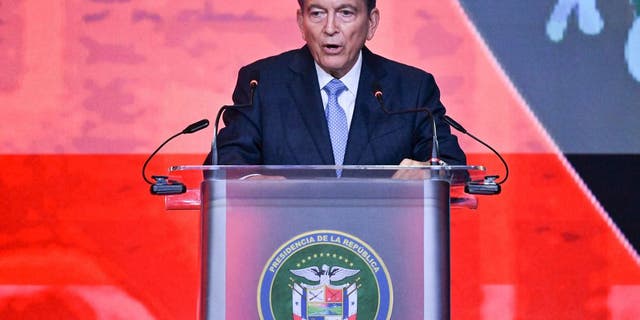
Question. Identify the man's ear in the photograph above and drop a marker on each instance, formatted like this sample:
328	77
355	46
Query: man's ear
300	20
374	20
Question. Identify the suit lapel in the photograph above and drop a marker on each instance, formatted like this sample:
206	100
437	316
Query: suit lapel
304	89
367	112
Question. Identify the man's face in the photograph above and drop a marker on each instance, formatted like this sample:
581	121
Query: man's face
336	30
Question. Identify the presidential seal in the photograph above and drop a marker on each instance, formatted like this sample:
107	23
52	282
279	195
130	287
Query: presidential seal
325	275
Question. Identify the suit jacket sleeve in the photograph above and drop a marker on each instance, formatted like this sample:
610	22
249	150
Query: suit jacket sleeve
450	151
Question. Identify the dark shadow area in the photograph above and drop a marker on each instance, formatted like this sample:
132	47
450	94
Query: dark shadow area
612	178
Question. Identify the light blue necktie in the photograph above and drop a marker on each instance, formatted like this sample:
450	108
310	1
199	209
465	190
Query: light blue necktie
337	121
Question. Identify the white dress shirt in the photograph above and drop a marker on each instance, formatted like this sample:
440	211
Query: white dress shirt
347	99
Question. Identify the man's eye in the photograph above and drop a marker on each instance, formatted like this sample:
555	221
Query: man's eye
316	14
347	13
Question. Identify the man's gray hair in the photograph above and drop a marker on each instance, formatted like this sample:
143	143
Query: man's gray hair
371	4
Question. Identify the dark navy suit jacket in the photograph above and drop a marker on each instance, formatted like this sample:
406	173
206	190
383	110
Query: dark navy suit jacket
286	124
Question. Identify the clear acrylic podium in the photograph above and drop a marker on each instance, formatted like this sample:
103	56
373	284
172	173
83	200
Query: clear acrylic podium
298	242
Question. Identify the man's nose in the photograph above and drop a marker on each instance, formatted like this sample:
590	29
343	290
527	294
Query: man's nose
331	26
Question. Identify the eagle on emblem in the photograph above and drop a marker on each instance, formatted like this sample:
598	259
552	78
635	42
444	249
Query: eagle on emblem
325	274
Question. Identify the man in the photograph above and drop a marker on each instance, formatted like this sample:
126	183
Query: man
296	119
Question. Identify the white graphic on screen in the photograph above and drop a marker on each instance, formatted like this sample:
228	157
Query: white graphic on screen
632	48
590	22
589	19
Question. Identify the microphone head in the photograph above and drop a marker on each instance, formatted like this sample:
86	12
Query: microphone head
254	75
196	126
377	91
454	124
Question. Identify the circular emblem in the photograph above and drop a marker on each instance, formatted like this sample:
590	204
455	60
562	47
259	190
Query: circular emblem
322	275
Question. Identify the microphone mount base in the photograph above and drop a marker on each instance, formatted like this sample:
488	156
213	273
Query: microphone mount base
486	187
164	186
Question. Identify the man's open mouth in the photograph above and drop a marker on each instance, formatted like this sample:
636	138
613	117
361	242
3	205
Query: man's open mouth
332	48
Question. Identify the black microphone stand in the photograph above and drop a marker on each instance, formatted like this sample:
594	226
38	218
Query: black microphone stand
435	148
162	184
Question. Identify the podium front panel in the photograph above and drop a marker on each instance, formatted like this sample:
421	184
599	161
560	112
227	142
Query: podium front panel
369	248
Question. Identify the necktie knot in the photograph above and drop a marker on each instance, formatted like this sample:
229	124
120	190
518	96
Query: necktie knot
334	88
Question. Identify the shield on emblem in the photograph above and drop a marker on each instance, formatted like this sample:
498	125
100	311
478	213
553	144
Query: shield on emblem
325	302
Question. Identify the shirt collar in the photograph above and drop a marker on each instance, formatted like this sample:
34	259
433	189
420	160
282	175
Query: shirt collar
350	80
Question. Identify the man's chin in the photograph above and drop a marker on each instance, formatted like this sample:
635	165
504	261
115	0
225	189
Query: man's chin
336	67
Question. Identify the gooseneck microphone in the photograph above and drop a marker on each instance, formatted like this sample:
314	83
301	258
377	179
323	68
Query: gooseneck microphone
489	185
435	149
162	184
253	85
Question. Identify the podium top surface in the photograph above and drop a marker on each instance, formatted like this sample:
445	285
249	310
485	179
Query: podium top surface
193	175
324	167
452	173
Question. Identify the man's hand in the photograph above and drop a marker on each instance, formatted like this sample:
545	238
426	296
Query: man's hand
411	174
257	176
